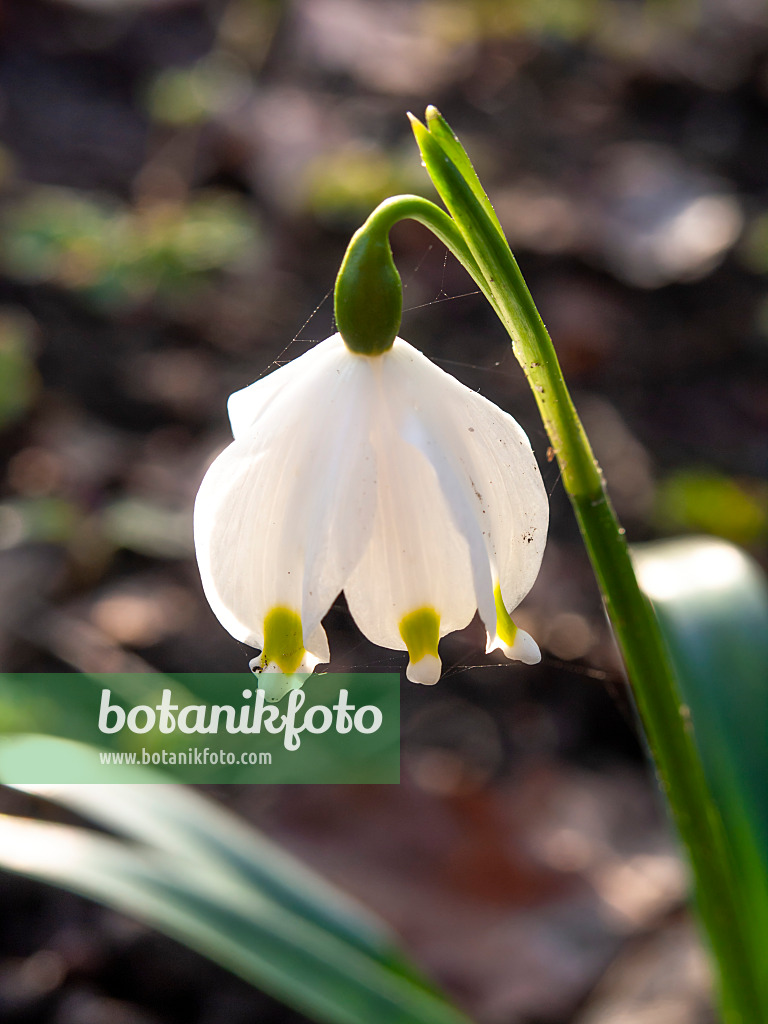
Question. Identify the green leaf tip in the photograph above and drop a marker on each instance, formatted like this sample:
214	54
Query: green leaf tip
420	130
439	141
438	126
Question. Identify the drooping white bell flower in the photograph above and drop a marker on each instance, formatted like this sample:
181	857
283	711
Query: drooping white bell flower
382	476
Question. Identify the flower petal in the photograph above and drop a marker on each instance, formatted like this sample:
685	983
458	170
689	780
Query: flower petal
286	386
524	648
486	466
416	432
265	532
514	642
420	631
416	557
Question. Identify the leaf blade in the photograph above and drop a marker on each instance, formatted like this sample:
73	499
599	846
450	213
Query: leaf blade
711	600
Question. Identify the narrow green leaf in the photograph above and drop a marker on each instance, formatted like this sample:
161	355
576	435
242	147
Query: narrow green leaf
180	822
442	132
712	603
298	962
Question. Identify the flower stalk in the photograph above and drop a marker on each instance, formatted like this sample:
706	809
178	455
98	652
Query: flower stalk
472	232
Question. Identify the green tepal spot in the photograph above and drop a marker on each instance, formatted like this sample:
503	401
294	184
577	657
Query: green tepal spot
420	631
505	627
283	639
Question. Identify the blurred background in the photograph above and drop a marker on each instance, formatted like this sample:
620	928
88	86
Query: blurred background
178	182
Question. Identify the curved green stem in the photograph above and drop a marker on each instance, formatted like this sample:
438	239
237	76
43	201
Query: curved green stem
408	207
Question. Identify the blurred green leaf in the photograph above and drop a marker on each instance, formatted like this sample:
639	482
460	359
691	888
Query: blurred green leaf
201	876
703	500
347	183
181	822
187	96
19	380
148	528
118	256
69	712
175	97
616	27
712	603
47	520
465	20
568	19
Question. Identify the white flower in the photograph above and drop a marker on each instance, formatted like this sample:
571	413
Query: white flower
381	476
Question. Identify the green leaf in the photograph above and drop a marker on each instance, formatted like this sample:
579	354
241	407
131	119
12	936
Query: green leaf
712	603
702	500
442	132
198	874
180	822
